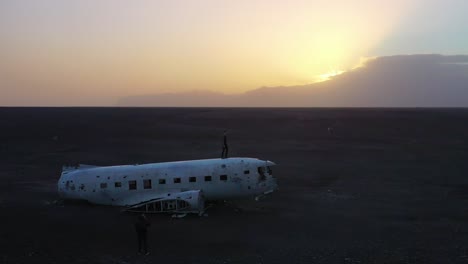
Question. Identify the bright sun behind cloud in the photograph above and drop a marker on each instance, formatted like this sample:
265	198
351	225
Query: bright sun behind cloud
329	75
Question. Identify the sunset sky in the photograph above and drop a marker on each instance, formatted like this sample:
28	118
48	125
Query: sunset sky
88	52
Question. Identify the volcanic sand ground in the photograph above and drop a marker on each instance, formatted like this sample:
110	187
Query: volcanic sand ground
379	186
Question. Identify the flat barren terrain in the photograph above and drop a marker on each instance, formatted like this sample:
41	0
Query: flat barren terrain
356	185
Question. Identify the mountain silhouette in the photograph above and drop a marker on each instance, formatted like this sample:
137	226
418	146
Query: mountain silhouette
427	80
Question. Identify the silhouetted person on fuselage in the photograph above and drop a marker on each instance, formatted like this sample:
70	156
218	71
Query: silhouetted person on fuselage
141	227
225	146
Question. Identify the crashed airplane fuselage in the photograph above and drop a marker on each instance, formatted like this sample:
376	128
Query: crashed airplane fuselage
180	186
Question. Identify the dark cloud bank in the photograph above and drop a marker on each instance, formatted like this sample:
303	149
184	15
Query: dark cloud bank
394	81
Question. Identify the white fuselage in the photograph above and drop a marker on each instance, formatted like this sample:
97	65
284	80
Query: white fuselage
131	184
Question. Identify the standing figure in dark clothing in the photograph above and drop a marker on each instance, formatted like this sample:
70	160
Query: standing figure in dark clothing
225	146
141	226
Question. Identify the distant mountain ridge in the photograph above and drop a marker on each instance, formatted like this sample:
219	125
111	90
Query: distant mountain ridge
393	81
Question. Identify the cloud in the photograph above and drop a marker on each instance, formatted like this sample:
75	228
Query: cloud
427	80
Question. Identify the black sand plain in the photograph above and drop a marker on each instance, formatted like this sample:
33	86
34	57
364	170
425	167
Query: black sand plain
382	186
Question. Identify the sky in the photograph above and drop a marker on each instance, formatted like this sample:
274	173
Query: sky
55	52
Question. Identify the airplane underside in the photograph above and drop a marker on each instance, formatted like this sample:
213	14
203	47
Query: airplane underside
185	202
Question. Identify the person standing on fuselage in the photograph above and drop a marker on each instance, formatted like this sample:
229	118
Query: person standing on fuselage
225	146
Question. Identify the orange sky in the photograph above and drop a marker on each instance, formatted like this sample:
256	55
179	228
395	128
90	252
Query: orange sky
93	52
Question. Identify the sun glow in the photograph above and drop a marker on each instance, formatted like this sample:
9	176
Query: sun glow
329	75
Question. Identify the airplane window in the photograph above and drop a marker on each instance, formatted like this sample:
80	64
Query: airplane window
147	184
223	177
132	185
246	172
207	178
103	185
118	184
192	179
176	180
269	170
162	181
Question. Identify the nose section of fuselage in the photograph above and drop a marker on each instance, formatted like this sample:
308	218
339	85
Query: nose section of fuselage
272	185
273	182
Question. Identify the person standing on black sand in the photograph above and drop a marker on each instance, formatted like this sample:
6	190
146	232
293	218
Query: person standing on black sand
225	146
141	227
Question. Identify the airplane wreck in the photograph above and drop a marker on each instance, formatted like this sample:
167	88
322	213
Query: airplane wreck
168	187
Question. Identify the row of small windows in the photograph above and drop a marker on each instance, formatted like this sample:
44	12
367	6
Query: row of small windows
147	183
132	185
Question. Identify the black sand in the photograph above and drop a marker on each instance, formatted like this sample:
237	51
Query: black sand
379	186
